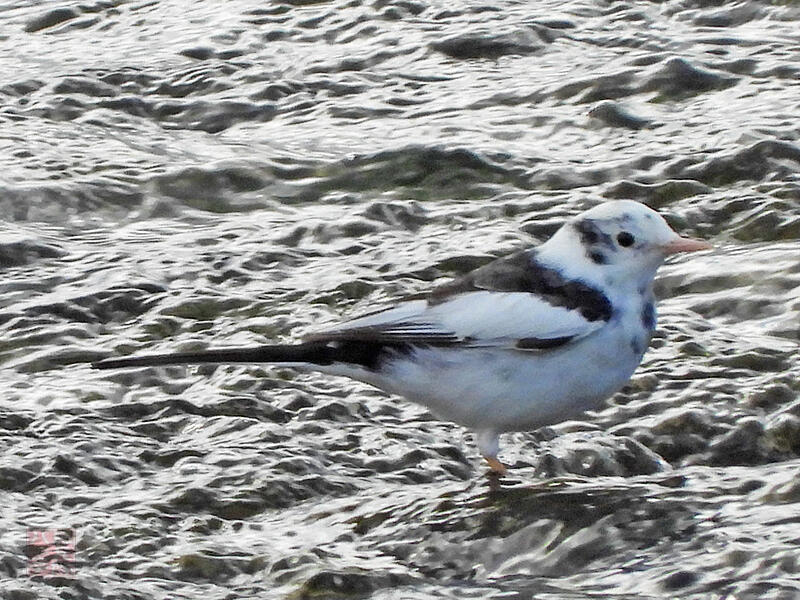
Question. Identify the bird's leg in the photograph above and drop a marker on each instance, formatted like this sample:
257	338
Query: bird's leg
489	444
495	466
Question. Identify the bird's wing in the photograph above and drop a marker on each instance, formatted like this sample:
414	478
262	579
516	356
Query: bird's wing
514	301
471	318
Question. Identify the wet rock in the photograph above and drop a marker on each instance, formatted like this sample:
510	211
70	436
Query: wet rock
743	445
657	195
198	52
771	396
687	420
206	187
217	117
70	466
755	360
194	500
792	408
577	454
568	179
596	89
615	115
206	566
14	480
732	16
460	265
768	224
751	163
487	45
51	19
425	169
249	408
679	579
211	117
692	349
782	433
239	509
21	88
674	448
409	459
347	584
16	422
84	85
167	458
328	232
340	584
404	215
643	383
297	401
340	412
785	492
23	252
277	91
741	66
20	593
678	78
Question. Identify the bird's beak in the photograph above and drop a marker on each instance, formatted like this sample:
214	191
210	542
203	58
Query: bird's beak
683	244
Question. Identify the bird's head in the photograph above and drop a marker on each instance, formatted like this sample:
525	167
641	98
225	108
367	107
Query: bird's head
621	242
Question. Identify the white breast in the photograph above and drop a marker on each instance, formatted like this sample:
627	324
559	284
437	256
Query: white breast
506	389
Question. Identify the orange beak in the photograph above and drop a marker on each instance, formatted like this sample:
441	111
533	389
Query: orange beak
683	244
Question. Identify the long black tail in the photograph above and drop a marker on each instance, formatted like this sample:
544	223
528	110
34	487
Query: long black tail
318	353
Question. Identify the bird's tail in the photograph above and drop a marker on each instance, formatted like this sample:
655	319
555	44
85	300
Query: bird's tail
316	353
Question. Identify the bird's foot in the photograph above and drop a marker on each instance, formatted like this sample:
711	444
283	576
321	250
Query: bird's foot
496	467
489	445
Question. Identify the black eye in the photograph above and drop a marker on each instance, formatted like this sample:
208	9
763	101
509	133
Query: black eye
625	239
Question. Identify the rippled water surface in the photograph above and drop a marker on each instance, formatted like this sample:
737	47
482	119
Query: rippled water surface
181	174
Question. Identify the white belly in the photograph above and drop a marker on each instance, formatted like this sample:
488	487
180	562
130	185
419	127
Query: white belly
508	390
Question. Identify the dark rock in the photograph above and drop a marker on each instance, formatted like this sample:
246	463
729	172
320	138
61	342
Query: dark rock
51	18
614	115
486	46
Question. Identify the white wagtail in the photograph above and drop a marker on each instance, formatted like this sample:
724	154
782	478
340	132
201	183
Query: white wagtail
528	340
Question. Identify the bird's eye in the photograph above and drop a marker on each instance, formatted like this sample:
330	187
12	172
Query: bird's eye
625	239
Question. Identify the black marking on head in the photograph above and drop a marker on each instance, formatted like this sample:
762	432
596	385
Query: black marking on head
542	344
521	272
588	232
636	346
598	257
594	240
649	315
591	234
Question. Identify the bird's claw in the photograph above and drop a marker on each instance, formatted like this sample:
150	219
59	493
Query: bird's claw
495	466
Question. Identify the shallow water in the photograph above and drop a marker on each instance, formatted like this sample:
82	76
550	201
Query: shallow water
180	174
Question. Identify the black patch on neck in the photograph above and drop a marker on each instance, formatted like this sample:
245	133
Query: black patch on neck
649	315
521	272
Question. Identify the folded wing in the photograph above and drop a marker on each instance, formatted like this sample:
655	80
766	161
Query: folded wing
472	318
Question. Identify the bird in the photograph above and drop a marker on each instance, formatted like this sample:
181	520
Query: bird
530	339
